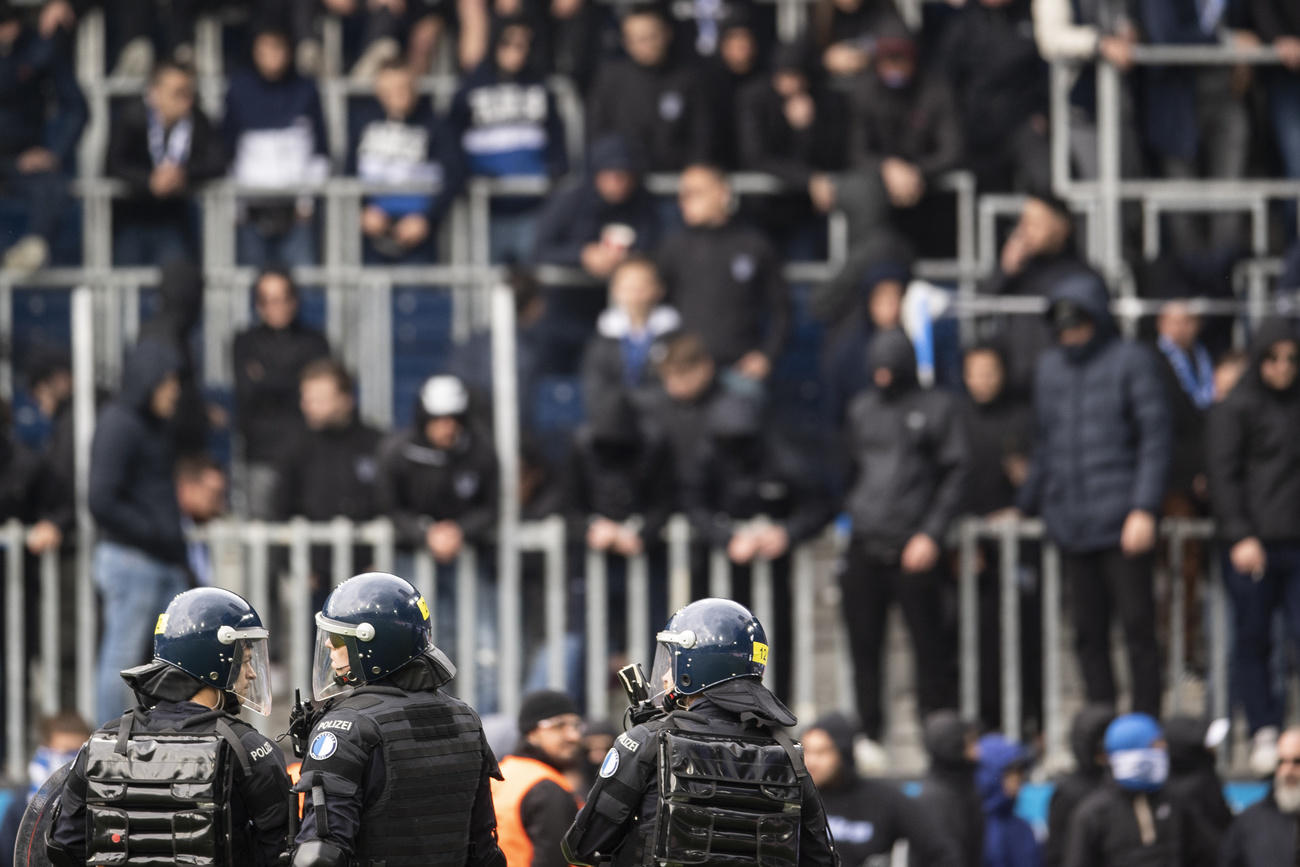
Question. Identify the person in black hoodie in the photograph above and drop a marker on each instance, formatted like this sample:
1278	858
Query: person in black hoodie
162	147
867	818
397	139
327	467
948	790
1193	780
1089	774
140	558
49	383
1252	453
181	293
1000	84
1265	834
911	460
268	359
681	409
439	483
651	97
725	279
1097	477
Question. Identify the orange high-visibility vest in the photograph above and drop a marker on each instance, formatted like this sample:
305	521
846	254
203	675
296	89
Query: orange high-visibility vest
521	774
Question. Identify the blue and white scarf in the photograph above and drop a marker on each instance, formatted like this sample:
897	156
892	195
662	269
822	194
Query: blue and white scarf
1197	381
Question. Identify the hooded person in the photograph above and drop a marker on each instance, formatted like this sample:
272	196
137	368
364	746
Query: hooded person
1097	478
1264	834
181	294
909	455
1086	736
867	818
949	790
438	483
1252	450
1132	821
1008	839
1193	780
140	557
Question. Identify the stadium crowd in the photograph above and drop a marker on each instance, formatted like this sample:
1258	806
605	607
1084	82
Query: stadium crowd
679	350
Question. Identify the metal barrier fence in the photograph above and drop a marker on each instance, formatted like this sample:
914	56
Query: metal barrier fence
244	556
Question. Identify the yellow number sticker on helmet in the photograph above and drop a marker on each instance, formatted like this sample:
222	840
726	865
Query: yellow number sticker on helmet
424	608
760	653
161	626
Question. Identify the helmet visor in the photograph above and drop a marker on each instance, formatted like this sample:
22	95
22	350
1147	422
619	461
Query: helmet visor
250	674
662	674
332	672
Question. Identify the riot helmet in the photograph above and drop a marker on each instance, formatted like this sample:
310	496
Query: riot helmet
706	643
217	638
371	626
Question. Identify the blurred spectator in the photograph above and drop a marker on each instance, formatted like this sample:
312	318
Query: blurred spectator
1193	780
1264	834
1000	428
691	387
162	147
1008	839
382	26
1197	122
148	32
140	558
1252	452
595	223
1132	819
61	738
575	35
201	495
20	474
701	28
297	19
725	279
846	30
866	817
397	140
736	65
1038	254
1228	372
1278	24
275	130
508	123
181	305
1098	478
268	359
910	460
948	791
651	97
749	494
904	131
1000	84
43	113
1086	735
535	802
49	382
1083	33
789	125
595	744
619	479
439	482
619	357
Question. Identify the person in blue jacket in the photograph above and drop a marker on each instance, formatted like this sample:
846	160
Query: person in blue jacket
1008	839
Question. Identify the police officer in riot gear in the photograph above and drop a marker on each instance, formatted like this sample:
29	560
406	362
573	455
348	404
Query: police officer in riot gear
714	780
179	778
396	771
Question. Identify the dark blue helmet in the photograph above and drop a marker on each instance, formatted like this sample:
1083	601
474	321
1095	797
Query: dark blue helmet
706	643
380	620
217	638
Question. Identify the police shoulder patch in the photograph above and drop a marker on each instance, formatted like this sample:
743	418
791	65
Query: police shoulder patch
609	767
323	746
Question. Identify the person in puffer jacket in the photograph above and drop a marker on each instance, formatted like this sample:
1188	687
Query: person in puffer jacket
1008	839
1097	477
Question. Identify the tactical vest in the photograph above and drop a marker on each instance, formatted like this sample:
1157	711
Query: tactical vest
156	799
726	798
433	761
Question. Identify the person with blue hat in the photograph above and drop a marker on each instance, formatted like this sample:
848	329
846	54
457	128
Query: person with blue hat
1132	821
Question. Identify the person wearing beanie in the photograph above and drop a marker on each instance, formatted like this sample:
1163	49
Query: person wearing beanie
867	817
1193	779
1132	821
948	790
1089	774
535	803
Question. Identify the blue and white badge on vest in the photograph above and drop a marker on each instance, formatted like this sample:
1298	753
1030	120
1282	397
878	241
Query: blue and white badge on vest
609	767
323	746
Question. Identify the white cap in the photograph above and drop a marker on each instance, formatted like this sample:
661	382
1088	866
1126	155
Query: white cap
443	396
